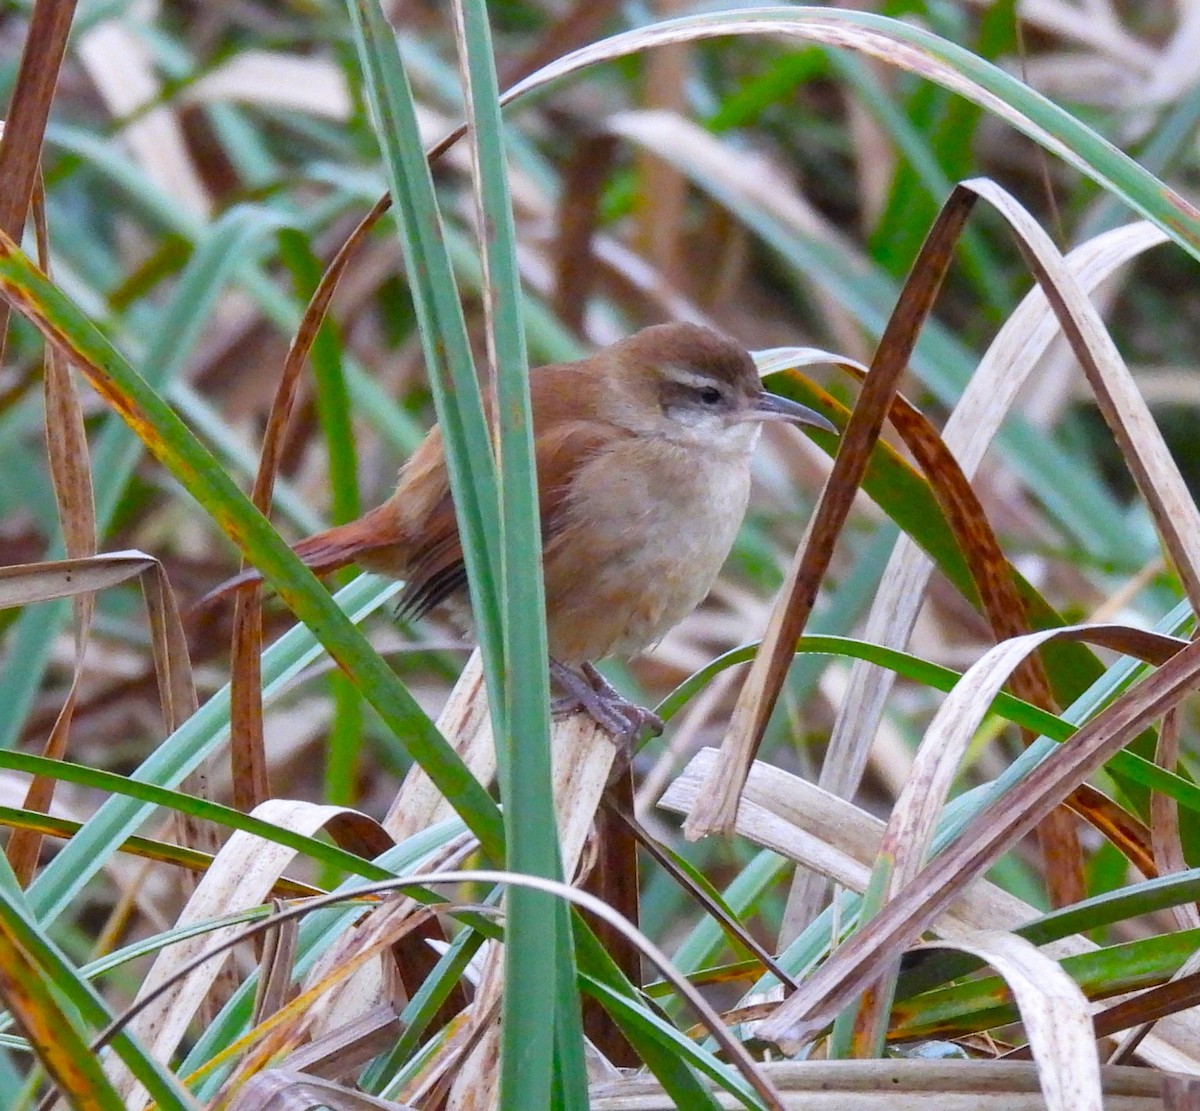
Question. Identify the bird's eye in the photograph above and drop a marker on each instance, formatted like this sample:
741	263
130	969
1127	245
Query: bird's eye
710	395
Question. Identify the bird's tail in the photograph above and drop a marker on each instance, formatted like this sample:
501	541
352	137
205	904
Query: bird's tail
374	534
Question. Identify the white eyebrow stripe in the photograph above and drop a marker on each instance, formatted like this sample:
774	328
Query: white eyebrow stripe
692	379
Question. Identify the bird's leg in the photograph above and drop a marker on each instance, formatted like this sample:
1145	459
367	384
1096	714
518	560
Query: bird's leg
589	691
640	717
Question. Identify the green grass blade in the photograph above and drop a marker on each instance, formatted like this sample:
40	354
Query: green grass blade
174	445
28	939
439	313
219	253
224	816
537	926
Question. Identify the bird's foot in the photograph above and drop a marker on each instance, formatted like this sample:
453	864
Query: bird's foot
589	691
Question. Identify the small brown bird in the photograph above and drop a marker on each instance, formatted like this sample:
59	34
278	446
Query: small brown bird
643	462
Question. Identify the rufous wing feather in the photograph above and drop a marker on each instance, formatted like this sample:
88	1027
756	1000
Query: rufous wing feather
414	534
373	538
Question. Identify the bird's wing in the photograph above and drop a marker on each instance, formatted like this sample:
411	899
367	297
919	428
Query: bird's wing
371	539
435	567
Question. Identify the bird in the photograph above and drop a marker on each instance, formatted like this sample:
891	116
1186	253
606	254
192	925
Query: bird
643	454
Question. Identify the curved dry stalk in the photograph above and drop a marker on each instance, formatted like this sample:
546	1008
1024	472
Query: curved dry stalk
708	1016
1054	1012
241	876
989	395
833	838
1164	819
993	832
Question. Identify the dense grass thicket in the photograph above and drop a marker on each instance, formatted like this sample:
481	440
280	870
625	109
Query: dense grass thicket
926	794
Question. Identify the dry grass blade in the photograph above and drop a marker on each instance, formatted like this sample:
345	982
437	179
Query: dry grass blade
717	807
1181	1093
1180	993
466	723
1164	819
910	830
1125	830
614	879
989	395
70	474
280	1033
732	928
247	751
291	1090
994	831
28	111
1055	1014
177	696
414	955
318	303
1175	514
834	838
242	875
22	584
66	439
172	663
275	986
27	583
247	748
344	1051
298	1008
734	1050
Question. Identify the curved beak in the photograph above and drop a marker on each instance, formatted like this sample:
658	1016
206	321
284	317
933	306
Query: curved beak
772	407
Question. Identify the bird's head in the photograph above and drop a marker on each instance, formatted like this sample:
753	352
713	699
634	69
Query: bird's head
692	385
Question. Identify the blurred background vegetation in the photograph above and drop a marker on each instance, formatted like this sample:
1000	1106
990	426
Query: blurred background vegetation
204	161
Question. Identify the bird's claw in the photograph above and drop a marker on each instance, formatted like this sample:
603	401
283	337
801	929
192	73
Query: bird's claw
589	691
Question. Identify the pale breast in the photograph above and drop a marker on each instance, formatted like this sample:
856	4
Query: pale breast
648	527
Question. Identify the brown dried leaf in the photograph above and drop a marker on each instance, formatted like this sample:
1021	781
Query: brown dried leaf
995	829
1054	1012
1164	819
275	987
28	111
70	475
244	872
349	1048
834	838
24	583
717	806
988	397
1157	476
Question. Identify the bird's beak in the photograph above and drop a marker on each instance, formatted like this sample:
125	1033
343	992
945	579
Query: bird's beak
772	407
